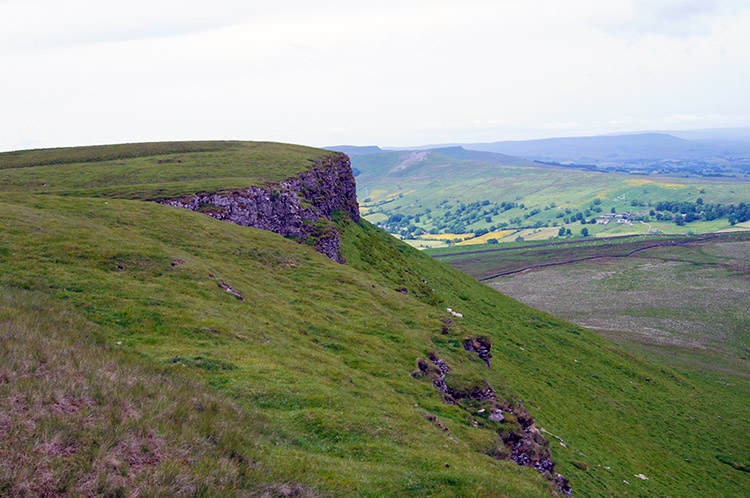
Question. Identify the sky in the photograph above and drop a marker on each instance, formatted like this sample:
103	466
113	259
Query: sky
392	73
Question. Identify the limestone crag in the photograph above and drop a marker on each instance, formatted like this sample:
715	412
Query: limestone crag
299	207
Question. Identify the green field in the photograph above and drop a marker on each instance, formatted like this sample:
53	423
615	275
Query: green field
126	367
434	194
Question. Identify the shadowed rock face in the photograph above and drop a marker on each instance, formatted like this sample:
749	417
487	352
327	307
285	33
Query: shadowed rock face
299	207
481	346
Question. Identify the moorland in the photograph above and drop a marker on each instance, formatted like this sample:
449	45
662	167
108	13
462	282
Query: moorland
680	299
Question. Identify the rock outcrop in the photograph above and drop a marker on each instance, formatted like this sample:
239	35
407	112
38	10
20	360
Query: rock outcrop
300	207
481	346
522	441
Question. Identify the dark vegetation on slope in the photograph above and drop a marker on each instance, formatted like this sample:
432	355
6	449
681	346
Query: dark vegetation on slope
318	356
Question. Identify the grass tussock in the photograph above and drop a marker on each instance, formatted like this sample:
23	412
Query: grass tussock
80	418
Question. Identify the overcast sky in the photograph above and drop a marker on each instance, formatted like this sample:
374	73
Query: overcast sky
77	72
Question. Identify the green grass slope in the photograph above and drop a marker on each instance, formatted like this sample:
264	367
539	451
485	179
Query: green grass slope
81	416
154	170
317	360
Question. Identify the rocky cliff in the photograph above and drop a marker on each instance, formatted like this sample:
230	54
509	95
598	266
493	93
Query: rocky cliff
300	207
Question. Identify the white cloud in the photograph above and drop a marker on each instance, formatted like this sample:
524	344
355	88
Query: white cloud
677	18
393	73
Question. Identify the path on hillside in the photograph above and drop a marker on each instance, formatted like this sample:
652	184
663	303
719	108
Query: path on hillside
561	242
579	241
589	258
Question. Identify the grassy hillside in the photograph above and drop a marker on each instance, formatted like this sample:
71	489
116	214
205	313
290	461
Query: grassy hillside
155	170
318	360
421	194
82	416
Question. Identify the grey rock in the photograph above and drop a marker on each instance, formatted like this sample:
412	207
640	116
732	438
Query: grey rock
497	416
481	346
299	207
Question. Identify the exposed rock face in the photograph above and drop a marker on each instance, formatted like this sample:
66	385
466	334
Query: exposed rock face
299	207
481	346
497	415
529	448
524	444
439	363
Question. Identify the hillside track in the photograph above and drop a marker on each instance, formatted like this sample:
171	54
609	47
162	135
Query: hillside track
603	256
564	242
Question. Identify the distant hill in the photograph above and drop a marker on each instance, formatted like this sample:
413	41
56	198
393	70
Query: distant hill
451	151
354	150
644	146
449	193
458	152
438	162
709	134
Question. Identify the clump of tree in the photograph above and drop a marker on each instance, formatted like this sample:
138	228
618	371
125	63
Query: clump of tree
687	212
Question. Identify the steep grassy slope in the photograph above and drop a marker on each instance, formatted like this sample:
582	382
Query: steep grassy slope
318	358
314	349
607	405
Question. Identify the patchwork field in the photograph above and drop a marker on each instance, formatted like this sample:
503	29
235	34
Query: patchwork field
431	195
